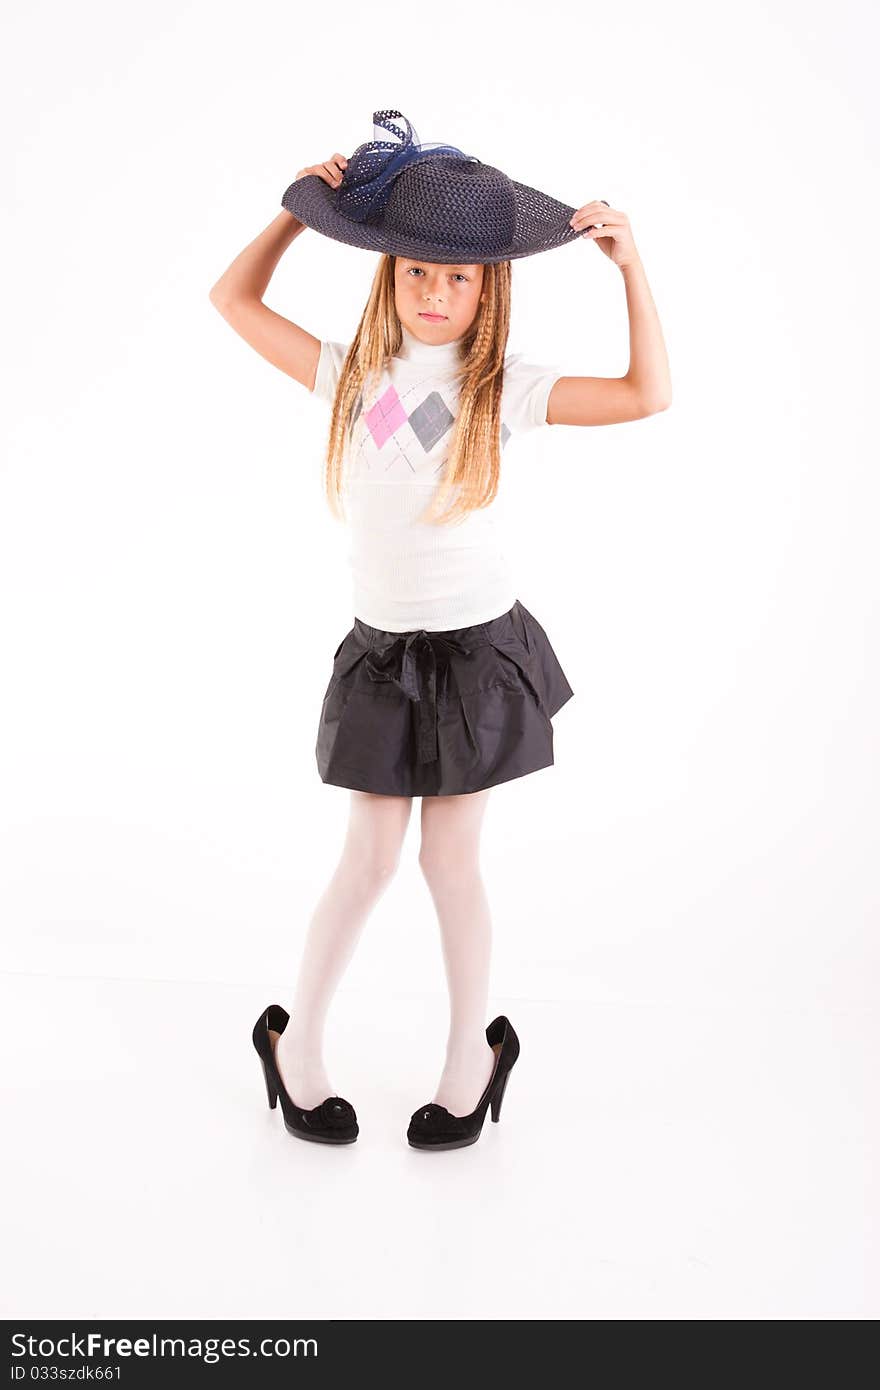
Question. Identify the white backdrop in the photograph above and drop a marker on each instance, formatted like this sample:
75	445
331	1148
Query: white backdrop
173	585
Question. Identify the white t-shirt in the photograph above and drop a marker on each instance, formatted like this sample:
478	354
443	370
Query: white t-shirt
409	574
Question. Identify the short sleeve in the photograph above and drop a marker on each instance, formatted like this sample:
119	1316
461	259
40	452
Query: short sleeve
526	391
330	363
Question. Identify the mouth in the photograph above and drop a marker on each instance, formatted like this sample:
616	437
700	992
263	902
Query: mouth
433	318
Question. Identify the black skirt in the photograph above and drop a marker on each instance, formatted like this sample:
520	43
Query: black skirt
440	713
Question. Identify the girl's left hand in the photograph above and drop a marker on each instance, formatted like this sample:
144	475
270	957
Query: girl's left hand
614	236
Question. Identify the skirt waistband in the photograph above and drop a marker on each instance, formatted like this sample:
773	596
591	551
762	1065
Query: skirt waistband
477	634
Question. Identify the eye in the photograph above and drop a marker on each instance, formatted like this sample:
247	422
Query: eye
417	270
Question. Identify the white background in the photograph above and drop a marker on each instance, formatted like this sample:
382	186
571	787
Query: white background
685	906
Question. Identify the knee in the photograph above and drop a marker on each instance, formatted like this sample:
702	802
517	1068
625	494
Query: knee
441	858
431	863
376	865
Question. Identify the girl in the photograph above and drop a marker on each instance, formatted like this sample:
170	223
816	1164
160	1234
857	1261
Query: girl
446	684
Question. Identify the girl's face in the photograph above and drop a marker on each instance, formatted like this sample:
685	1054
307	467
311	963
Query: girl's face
449	294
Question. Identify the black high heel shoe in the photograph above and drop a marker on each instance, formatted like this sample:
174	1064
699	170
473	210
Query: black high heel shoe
332	1122
433	1127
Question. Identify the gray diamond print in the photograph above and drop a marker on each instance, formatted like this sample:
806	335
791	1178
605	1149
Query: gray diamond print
431	420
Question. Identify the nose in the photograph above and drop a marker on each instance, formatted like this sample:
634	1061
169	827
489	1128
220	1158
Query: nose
432	292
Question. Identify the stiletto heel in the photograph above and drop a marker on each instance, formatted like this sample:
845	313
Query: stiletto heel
433	1127
332	1122
496	1100
270	1089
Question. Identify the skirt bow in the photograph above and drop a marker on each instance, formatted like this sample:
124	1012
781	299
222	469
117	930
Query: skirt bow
411	662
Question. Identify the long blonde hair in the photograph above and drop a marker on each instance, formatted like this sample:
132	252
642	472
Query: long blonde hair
474	463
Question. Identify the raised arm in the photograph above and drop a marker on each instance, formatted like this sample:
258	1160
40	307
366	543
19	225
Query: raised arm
646	388
238	294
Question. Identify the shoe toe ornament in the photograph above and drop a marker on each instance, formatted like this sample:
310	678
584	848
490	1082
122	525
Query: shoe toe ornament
434	1120
332	1113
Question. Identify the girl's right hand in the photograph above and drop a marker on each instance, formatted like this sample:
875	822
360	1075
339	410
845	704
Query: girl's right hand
330	171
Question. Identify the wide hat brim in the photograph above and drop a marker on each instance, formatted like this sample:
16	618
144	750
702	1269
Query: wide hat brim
533	222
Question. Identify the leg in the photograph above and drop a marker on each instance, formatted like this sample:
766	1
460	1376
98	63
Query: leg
370	855
449	860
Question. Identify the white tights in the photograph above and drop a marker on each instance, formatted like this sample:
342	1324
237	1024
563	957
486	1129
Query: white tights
449	860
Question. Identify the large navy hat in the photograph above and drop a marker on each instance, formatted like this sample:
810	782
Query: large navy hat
429	202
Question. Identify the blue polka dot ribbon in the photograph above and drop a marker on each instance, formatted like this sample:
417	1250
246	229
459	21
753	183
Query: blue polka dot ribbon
371	171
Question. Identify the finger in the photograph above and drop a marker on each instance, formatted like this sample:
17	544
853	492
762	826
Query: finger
332	169
596	214
599	210
594	206
589	220
318	171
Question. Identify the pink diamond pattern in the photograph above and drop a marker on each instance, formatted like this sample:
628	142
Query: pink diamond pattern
385	416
